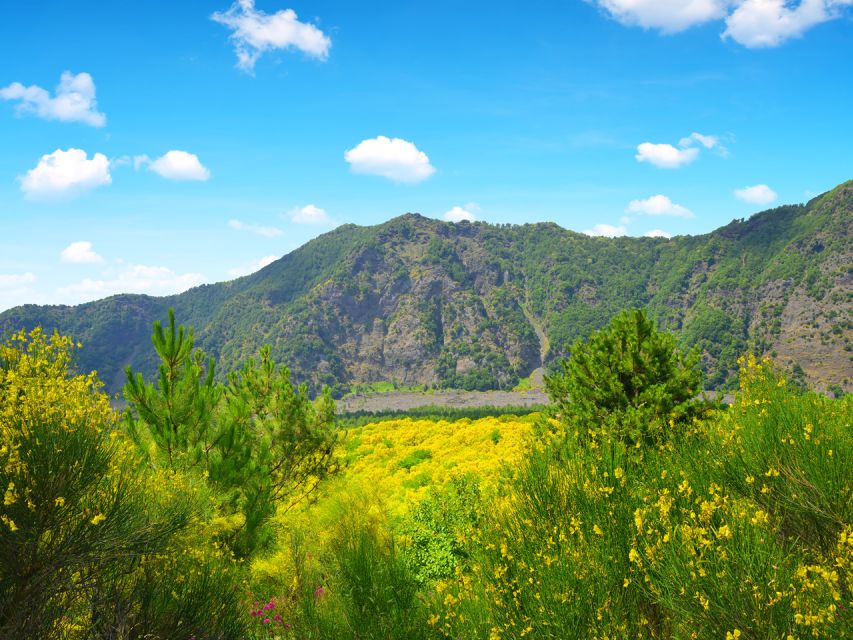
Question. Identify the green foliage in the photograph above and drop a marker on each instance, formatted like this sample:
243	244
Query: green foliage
441	252
438	526
836	391
740	528
364	591
415	458
709	329
90	543
258	441
628	382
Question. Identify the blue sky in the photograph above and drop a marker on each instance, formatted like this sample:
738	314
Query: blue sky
152	146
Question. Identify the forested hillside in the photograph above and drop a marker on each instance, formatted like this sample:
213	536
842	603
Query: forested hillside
474	305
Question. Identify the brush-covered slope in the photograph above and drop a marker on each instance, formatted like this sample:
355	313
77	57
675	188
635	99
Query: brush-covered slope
419	301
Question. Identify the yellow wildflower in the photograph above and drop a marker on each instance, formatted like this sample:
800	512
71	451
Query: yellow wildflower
9	497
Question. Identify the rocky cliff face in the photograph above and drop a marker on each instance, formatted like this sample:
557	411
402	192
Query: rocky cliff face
422	302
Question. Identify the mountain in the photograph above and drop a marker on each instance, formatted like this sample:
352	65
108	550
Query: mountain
475	305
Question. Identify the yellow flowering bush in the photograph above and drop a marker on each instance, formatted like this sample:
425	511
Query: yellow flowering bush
88	544
740	528
391	465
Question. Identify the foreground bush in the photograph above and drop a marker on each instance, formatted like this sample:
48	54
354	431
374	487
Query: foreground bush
90	546
627	382
739	529
257	442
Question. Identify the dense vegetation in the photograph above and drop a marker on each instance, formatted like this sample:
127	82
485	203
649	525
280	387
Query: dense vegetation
474	306
639	510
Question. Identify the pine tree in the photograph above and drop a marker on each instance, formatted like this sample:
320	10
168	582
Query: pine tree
627	382
258	441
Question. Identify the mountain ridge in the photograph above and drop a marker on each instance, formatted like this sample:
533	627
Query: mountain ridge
420	301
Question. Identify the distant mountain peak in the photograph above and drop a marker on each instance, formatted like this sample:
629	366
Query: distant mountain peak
417	300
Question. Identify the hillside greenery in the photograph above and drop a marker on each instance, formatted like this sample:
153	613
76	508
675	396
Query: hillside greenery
416	302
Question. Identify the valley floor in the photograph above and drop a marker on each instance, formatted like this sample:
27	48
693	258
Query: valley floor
406	400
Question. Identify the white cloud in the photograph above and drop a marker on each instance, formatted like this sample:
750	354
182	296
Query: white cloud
709	142
657	233
9	281
258	230
665	155
310	214
758	194
141	161
15	290
606	230
458	214
255	32
669	16
392	158
74	101
658	205
130	278
246	269
175	165
769	23
80	253
66	174
751	23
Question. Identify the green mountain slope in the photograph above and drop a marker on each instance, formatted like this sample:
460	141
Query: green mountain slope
419	301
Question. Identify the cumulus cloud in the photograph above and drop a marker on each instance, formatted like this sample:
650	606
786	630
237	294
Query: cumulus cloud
258	230
769	23
74	100
751	23
255	32
255	265
80	253
310	214
668	16
66	174
658	205
667	156
758	194
130	278
606	230
391	158
174	165
458	214
657	233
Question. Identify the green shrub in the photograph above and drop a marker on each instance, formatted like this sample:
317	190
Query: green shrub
628	382
257	441
438	528
91	545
